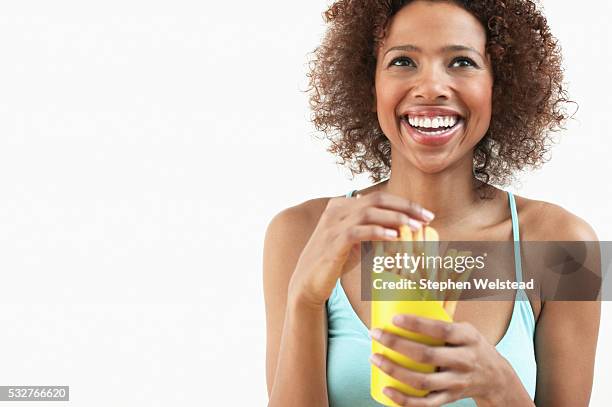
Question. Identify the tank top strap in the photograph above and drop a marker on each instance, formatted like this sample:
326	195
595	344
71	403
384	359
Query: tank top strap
515	225
517	239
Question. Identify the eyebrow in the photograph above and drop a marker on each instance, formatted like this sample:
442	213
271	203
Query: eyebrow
446	48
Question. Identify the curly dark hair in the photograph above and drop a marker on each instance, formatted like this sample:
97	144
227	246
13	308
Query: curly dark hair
528	101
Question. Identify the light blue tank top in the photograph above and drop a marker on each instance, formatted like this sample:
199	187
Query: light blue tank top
349	347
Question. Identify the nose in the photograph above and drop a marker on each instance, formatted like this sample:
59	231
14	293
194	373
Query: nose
432	84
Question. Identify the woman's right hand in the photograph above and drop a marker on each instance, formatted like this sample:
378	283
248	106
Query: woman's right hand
344	223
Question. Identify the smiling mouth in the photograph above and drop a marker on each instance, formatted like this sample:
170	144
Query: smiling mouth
432	126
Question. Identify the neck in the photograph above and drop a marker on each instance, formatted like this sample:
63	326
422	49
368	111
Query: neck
450	194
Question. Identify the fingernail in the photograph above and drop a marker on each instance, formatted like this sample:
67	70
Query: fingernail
414	225
375	333
398	319
428	215
390	232
375	359
387	392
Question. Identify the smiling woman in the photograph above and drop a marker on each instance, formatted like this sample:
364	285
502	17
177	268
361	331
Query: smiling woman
450	60
444	99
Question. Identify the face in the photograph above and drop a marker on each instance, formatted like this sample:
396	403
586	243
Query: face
433	85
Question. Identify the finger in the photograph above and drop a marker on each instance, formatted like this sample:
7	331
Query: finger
357	233
418	380
456	333
384	217
431	400
443	356
390	201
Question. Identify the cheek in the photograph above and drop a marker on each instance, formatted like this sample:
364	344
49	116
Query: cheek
388	98
478	98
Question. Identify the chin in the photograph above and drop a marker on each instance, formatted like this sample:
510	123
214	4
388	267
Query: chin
432	163
429	166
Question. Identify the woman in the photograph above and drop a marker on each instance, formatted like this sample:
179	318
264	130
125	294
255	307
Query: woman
443	99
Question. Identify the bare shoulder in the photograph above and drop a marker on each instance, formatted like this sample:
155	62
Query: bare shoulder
540	220
296	223
287	235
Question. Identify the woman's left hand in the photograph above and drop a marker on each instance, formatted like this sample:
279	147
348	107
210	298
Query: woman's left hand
469	367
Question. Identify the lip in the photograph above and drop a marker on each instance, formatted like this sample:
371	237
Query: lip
431	111
433	140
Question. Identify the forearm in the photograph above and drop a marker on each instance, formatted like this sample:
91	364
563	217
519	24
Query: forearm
510	392
300	378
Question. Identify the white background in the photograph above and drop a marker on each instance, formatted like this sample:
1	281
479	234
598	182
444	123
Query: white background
144	147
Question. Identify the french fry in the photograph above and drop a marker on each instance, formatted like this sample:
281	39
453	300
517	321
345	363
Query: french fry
448	275
414	243
405	236
431	250
450	300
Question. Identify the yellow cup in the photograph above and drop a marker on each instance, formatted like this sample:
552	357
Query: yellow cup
382	314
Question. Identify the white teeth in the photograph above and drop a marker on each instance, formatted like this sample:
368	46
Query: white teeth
432	133
432	123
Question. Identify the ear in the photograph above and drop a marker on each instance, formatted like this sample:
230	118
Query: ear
490	66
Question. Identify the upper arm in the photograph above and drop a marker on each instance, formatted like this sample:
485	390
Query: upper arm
286	236
566	334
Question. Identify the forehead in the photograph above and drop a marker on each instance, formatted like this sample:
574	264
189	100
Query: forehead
432	24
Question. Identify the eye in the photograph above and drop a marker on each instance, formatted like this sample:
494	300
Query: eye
401	61
462	62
